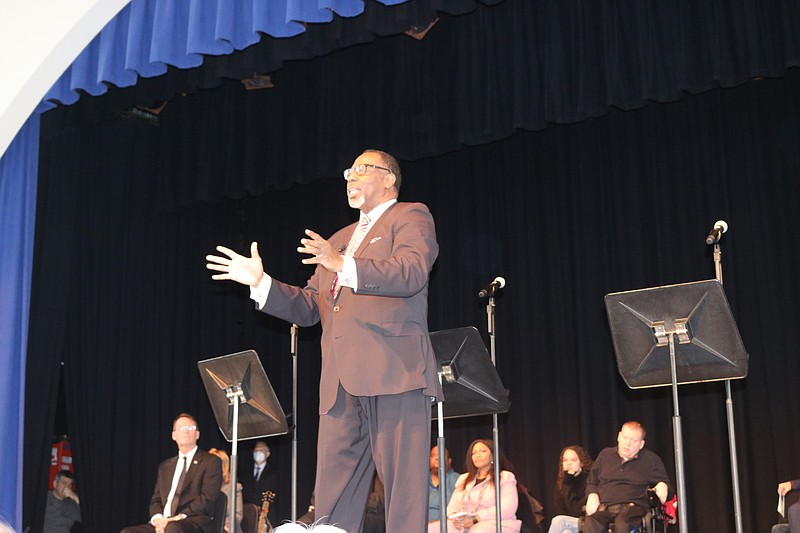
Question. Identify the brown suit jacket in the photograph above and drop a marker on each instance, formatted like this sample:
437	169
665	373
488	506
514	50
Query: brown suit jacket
198	492
374	341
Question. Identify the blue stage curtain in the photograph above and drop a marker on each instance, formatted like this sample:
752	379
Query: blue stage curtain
147	36
18	177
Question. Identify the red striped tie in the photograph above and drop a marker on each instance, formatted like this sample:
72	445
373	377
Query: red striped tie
355	242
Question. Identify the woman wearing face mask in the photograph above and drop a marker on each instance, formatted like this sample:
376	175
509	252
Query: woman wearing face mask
472	505
569	495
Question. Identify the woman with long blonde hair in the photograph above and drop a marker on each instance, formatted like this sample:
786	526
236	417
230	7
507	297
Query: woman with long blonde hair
226	488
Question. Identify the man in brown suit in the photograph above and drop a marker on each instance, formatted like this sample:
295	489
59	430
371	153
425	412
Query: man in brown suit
370	292
187	486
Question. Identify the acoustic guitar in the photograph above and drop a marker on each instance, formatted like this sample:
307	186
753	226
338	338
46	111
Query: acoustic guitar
263	524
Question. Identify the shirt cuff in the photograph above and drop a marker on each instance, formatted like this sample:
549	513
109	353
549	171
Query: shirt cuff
260	292
348	277
157	515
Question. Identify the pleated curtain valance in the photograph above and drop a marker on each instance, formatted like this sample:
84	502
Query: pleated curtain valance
148	36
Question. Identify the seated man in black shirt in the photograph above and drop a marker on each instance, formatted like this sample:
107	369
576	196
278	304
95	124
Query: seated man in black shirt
617	485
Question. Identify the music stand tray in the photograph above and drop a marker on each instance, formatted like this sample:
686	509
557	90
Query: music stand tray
707	342
260	414
470	382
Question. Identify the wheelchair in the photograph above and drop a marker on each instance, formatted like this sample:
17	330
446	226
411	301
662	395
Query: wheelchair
657	519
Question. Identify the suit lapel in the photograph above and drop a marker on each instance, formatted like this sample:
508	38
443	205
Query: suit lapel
345	234
377	229
169	471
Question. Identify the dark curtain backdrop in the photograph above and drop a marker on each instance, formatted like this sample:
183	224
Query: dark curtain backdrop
122	297
473	79
123	306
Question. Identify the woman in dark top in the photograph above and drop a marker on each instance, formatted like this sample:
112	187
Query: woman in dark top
569	495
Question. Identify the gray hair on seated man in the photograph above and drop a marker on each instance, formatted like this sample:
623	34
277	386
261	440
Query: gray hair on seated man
297	527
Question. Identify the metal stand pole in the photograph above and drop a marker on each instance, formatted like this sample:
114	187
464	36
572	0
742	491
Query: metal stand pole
737	499
293	345
495	430
442	485
235	395
677	433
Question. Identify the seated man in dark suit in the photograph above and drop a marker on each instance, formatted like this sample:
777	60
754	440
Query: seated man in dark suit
616	490
187	486
261	477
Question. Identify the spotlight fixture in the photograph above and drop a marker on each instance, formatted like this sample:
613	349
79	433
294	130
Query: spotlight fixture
419	32
258	81
145	114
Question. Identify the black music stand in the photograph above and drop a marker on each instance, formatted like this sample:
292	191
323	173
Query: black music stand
236	379
645	324
470	383
470	386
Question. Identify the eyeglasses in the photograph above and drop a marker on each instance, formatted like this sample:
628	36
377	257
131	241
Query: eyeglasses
361	169
186	428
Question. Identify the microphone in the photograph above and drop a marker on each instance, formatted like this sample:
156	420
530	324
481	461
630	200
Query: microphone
497	283
720	227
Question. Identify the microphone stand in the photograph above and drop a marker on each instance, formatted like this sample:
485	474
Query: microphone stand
440	442
495	431
293	348
737	505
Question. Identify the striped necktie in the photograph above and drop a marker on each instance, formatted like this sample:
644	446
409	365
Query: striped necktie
355	242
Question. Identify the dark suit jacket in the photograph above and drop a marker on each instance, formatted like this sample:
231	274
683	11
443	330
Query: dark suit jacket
374	341
254	490
198	492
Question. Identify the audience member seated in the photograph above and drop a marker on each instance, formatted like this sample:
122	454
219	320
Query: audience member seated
793	512
375	515
226	489
616	489
63	505
472	505
310	516
199	476
569	495
450	478
258	477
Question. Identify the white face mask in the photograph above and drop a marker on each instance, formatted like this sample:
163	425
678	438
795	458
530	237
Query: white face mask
259	457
